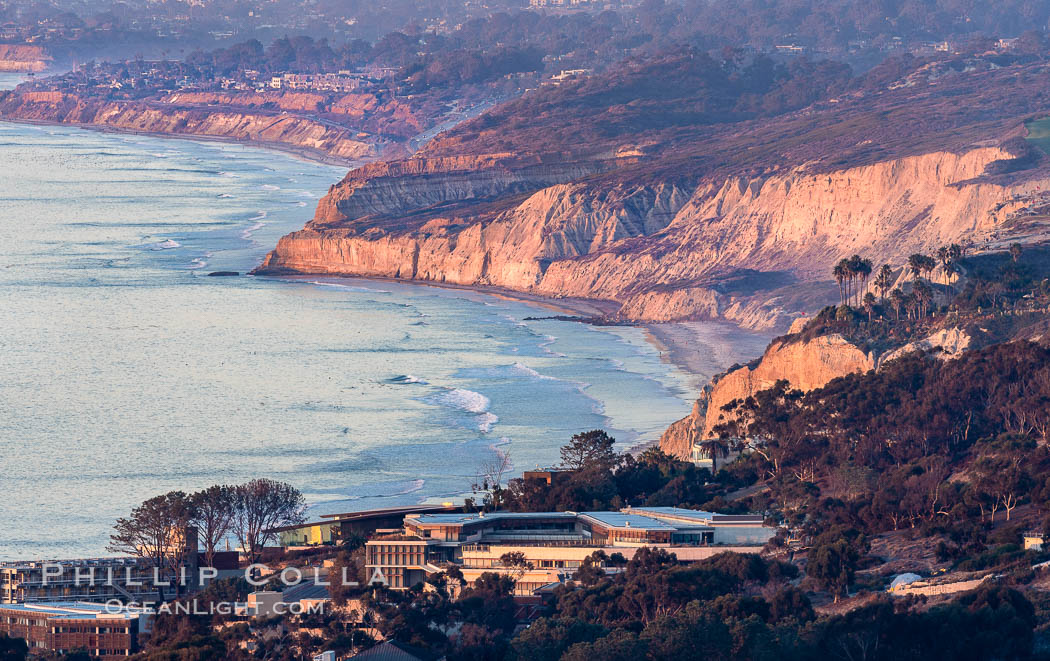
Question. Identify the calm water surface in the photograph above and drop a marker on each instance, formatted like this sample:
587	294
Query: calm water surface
127	371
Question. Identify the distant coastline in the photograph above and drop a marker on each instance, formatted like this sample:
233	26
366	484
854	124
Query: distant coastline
673	340
303	153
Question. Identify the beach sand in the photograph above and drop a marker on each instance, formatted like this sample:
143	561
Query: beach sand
699	348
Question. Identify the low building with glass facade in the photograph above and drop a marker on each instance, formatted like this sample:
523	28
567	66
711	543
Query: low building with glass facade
553	545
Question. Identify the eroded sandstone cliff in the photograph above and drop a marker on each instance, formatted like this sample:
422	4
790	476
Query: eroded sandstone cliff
804	364
265	128
752	249
23	58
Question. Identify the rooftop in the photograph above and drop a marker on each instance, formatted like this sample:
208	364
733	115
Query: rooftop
628	520
82	562
464	519
406	509
695	516
76	610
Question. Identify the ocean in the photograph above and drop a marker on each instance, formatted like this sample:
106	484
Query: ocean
127	371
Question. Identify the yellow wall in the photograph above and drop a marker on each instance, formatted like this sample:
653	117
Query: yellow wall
307	535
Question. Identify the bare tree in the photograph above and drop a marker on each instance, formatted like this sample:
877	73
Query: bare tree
490	477
211	512
155	531
260	506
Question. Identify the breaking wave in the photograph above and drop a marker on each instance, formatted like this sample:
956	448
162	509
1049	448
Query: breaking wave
167	244
406	379
470	402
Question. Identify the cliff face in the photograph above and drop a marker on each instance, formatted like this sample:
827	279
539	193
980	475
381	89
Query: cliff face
285	131
754	250
806	365
23	58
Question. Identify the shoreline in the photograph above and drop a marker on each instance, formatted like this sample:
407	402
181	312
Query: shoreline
670	339
674	341
307	154
684	344
585	307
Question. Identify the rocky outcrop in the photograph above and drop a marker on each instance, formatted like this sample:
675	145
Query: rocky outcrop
276	130
948	343
755	250
805	365
23	58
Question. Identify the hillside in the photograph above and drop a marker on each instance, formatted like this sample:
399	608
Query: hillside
681	187
990	298
23	58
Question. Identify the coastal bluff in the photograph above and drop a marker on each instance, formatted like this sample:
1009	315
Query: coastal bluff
755	250
23	58
806	365
313	138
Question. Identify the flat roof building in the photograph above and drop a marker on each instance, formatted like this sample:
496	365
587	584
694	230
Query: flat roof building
104	631
334	528
93	579
553	544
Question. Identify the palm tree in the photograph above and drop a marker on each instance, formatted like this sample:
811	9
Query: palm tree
915	264
861	268
946	257
714	448
884	280
923	295
911	304
928	264
869	304
897	300
841	272
949	271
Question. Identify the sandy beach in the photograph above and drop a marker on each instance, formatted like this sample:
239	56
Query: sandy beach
699	348
685	344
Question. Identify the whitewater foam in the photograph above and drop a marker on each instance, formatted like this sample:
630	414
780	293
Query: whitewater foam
528	371
364	290
466	400
405	379
471	402
486	421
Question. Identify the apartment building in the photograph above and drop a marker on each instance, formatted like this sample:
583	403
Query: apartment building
97	579
104	631
553	544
